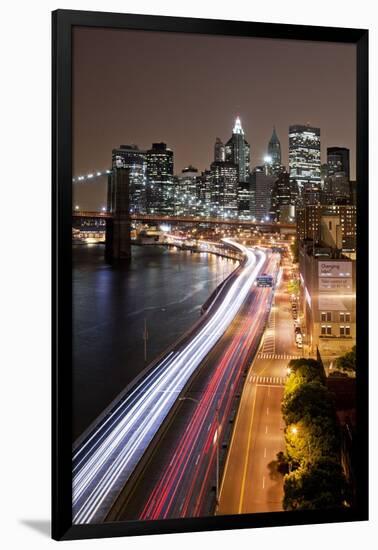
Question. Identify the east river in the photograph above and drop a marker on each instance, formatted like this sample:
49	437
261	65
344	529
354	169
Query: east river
162	289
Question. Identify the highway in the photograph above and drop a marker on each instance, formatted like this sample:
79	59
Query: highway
250	482
104	461
181	478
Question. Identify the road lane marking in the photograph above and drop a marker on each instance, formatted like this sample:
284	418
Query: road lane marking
234	431
267	411
263	482
247	455
266	429
265	452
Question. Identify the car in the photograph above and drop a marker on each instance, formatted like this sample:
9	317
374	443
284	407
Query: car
299	345
297	330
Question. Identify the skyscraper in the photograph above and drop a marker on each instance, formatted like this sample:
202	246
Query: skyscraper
336	187
219	151
129	156
187	192
204	192
283	199
274	153
238	151
261	190
338	161
224	189
245	200
304	160
160	189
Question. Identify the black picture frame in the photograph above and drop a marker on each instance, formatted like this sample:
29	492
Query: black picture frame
63	22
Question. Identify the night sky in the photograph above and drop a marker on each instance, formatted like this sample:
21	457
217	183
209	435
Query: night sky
143	87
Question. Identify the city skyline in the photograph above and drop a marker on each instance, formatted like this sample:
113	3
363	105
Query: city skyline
188	113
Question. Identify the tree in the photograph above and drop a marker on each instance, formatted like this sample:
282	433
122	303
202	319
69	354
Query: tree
309	441
321	485
303	371
293	287
306	402
347	362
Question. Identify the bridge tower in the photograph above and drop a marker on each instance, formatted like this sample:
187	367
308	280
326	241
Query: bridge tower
118	245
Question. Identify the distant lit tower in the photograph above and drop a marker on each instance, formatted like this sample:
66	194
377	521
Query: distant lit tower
187	194
261	190
274	153
160	182
204	191
304	160
338	161
336	186
238	151
224	189
219	151
283	199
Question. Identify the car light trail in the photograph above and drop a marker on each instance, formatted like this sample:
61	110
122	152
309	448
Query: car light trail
184	485
105	461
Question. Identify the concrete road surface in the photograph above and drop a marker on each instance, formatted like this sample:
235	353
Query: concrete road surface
250	481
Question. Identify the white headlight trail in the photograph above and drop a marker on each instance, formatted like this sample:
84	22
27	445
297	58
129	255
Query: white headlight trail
108	457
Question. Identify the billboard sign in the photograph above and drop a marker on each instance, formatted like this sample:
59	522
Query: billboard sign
335	269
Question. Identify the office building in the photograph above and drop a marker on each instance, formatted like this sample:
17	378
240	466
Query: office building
187	192
304	161
204	192
327	280
336	187
261	190
274	154
338	161
237	151
219	151
283	199
160	189
224	189
245	200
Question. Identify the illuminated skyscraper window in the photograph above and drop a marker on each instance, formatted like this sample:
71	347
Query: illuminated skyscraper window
304	158
238	151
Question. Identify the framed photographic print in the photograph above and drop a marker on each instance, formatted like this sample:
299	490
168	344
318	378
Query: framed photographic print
210	188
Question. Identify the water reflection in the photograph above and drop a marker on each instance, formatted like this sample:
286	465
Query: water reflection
165	287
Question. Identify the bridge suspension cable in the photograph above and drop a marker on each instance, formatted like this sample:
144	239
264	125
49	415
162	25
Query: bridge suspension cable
88	178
